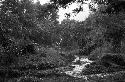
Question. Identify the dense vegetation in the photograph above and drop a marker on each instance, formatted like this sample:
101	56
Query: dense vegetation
32	38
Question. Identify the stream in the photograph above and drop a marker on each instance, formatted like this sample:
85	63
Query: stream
71	73
79	65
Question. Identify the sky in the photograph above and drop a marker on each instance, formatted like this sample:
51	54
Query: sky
78	17
81	16
42	1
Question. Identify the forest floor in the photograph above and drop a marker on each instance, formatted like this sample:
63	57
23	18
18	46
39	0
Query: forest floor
29	71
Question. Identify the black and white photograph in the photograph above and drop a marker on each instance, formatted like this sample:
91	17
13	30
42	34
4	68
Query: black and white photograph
62	40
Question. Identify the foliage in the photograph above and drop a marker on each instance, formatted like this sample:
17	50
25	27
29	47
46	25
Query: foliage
24	18
62	2
22	24
115	7
111	6
115	29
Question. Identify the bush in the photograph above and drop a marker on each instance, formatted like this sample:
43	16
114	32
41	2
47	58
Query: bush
113	59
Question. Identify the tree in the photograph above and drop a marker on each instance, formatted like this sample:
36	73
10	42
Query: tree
109	28
112	6
67	34
20	28
115	7
25	18
15	18
62	2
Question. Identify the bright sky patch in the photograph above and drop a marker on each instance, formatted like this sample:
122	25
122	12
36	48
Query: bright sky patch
81	16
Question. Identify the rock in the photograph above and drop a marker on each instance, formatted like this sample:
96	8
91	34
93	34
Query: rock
112	60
